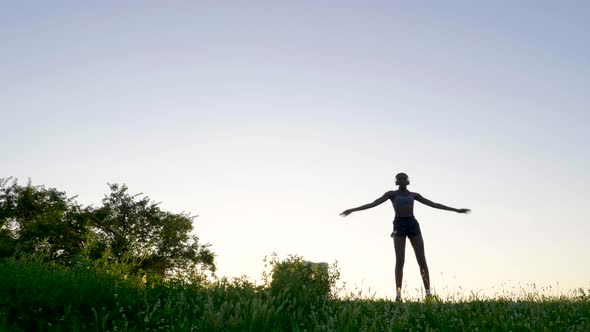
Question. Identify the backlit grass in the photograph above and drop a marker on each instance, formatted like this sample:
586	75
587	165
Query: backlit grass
93	297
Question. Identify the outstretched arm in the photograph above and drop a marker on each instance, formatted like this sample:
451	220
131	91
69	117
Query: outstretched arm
367	206
430	203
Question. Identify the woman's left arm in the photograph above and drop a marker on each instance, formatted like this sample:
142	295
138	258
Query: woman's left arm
430	203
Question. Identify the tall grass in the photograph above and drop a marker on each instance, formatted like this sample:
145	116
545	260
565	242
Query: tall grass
91	296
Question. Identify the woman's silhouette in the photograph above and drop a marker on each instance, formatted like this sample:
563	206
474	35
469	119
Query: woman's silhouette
405	225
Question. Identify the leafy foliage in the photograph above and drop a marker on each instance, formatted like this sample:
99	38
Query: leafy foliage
159	242
35	219
126	228
302	280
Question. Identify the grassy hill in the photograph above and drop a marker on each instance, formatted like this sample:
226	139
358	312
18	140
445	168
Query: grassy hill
37	296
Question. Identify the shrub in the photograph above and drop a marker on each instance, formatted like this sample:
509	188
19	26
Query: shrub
301	280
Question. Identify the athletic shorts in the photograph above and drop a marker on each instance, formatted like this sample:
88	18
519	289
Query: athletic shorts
406	226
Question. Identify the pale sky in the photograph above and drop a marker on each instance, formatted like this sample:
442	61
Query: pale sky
267	119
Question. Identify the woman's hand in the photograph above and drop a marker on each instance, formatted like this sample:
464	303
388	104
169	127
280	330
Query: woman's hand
346	212
463	210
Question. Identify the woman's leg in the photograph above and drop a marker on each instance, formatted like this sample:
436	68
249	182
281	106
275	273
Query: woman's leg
399	243
418	244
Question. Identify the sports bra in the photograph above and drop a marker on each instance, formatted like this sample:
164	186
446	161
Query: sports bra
403	200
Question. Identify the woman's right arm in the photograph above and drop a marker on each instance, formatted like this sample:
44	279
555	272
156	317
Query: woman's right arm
376	202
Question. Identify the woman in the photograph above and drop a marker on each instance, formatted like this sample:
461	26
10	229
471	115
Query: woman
405	225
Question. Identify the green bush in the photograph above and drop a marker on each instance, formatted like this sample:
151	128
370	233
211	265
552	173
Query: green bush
302	281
